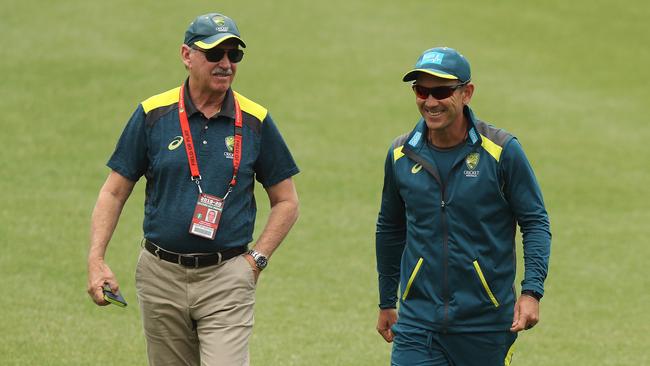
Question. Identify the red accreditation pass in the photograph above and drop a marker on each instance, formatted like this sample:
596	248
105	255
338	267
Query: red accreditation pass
206	216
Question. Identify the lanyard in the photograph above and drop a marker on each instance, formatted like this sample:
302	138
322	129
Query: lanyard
189	145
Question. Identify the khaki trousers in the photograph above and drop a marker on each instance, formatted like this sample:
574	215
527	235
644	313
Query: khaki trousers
196	316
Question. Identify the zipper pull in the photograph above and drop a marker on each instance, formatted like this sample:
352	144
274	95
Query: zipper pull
442	204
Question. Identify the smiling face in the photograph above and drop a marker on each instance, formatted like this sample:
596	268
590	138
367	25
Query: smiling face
443	116
210	77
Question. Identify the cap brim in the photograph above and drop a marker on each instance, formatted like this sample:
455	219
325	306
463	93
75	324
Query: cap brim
413	74
216	40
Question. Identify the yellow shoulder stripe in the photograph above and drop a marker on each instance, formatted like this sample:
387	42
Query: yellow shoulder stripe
251	107
161	100
492	148
397	153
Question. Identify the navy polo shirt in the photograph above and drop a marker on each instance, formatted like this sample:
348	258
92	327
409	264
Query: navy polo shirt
151	145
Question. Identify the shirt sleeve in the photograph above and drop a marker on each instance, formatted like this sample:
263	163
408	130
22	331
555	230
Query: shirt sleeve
522	191
275	162
130	156
390	237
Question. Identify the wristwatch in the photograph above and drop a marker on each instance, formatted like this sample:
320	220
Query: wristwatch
260	259
533	294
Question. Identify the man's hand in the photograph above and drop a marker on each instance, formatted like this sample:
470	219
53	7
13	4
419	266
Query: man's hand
526	313
112	196
251	261
98	274
387	317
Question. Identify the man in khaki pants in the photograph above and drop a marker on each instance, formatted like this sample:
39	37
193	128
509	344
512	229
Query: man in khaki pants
200	147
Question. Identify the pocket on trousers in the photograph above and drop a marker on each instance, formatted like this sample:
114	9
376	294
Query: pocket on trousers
485	284
414	274
249	272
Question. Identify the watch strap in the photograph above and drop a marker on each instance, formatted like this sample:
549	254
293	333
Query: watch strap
533	294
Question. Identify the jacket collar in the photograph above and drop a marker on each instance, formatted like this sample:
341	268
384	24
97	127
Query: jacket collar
418	137
227	107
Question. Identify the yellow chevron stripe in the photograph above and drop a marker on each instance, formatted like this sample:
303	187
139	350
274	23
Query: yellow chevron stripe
251	107
492	148
161	100
485	284
412	278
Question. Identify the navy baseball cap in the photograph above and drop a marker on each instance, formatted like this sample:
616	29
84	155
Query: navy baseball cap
443	62
209	30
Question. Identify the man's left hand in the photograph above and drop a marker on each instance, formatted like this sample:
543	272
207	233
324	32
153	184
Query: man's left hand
526	313
251	261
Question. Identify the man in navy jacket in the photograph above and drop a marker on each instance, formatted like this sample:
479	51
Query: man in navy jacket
455	189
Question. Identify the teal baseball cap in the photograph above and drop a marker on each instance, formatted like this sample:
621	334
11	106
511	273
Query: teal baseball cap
443	62
209	30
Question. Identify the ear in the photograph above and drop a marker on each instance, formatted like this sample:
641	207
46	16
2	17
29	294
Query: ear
468	91
185	55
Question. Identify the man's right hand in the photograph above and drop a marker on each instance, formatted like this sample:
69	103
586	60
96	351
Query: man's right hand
98	274
387	317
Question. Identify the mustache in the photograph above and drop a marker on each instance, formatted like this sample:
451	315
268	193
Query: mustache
222	72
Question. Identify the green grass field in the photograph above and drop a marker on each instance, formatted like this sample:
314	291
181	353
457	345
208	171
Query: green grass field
567	77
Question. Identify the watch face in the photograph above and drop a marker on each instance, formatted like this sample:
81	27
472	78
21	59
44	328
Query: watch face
261	262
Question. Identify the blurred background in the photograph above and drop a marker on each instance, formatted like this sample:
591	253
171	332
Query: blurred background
569	79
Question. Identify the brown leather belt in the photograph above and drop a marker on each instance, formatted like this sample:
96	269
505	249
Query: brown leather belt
193	260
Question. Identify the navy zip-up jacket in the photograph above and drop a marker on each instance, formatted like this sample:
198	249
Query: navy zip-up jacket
451	247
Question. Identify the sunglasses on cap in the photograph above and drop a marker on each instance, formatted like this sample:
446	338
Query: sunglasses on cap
216	54
439	92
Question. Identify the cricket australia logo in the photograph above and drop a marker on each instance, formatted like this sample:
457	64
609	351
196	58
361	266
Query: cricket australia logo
176	142
471	162
230	146
220	22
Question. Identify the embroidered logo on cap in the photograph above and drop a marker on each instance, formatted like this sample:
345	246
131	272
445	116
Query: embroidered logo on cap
433	58
220	22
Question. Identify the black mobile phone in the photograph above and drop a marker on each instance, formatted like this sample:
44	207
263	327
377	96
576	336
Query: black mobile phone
112	297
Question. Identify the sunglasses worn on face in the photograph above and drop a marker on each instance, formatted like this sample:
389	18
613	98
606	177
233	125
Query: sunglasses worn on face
439	92
216	54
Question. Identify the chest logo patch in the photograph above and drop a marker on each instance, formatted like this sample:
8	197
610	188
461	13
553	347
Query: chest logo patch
176	142
230	146
471	162
416	168
230	143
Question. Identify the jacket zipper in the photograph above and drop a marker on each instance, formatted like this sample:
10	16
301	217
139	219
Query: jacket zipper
445	250
445	230
445	244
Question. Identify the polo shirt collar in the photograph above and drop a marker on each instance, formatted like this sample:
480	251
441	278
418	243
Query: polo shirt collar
227	107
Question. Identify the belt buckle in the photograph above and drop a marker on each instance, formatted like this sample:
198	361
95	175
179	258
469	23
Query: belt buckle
220	258
195	257
180	262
